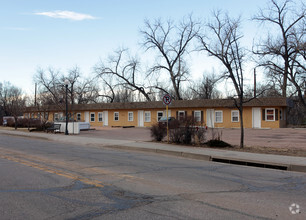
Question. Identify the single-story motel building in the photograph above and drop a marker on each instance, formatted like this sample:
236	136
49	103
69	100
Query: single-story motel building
218	113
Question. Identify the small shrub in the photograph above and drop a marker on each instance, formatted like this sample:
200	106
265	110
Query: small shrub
10	122
158	131
23	122
187	132
176	135
35	123
174	124
41	126
200	135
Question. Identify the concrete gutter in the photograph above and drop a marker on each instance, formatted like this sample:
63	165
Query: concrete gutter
289	163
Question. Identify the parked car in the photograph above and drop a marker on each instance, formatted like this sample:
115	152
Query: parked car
172	122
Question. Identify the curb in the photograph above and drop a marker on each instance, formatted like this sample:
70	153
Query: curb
297	168
252	163
205	157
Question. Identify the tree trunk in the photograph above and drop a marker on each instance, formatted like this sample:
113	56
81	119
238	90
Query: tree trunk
284	88
240	108
241	128
176	89
16	121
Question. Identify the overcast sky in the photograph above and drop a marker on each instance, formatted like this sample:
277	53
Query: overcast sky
65	33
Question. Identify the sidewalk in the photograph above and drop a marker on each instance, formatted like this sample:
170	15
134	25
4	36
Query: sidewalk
289	163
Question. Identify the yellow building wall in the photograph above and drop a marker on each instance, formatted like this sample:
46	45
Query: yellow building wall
188	113
226	123
123	118
227	117
271	124
247	117
96	122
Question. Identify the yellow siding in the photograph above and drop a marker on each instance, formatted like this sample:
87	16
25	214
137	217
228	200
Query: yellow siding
271	124
226	112
123	118
247	118
95	122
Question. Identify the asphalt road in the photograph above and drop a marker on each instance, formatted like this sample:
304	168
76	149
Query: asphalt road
48	180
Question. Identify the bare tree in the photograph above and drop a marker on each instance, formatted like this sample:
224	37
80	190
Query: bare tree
73	77
263	90
86	91
80	90
205	88
123	69
222	41
48	81
281	53
52	90
108	90
12	100
172	43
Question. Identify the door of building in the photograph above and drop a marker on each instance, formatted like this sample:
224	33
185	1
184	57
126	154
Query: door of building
256	117
86	116
140	118
210	122
105	118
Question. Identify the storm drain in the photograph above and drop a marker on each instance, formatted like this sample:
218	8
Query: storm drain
252	164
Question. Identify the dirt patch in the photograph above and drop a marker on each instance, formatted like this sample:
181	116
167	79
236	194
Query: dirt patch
268	140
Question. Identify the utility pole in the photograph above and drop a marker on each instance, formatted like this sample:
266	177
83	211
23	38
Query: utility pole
67	118
255	82
35	102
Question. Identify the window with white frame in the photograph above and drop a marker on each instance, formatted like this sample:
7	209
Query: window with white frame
159	115
55	117
116	116
92	117
197	116
218	116
181	115
147	116
235	115
78	116
100	116
270	114
130	116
